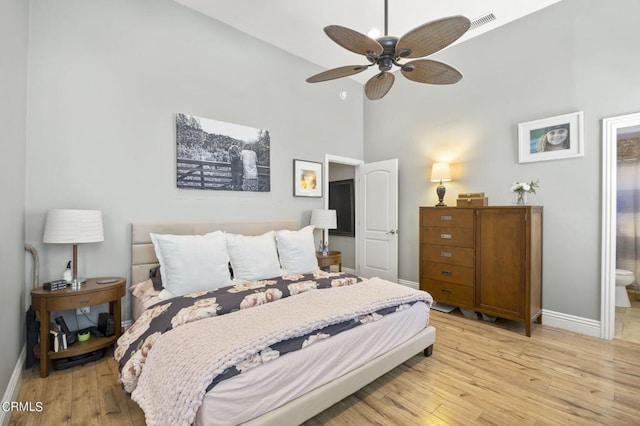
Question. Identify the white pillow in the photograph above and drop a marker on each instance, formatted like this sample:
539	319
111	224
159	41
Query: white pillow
297	251
190	263
253	258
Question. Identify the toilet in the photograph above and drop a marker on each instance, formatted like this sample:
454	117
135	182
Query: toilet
623	279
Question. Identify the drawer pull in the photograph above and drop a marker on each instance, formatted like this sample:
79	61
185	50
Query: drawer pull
446	218
445	291
446	273
445	236
445	254
84	301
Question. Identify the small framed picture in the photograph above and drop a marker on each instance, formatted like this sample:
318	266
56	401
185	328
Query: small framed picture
551	138
307	178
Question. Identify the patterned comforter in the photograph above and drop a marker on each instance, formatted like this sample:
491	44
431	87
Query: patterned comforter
160	323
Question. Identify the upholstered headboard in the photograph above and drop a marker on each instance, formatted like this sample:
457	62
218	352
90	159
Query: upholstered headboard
143	256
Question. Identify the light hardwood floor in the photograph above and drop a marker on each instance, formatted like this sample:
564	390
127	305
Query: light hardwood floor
480	373
628	322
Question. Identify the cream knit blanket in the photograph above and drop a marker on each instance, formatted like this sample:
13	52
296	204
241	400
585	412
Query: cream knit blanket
184	361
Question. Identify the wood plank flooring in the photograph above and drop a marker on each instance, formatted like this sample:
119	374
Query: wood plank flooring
480	373
628	322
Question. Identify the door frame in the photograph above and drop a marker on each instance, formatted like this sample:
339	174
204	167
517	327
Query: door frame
610	127
328	158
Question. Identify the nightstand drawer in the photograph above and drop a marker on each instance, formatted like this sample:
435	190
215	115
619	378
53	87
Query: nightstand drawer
462	256
449	273
78	300
459	218
459	237
449	293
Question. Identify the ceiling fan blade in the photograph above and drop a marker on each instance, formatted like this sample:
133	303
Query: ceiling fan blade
354	41
432	72
379	85
337	73
431	37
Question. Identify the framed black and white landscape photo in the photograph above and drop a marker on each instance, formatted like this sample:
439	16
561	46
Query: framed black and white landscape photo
221	156
551	138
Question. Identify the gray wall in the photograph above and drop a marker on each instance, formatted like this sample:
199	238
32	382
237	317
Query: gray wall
14	20
106	79
576	55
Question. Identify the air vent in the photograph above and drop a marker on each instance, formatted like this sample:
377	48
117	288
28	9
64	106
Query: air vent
484	19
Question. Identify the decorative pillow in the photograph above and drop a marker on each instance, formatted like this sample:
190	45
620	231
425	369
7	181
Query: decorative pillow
253	258
156	278
297	251
190	263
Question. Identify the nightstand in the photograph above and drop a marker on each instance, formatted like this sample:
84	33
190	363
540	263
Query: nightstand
332	258
90	293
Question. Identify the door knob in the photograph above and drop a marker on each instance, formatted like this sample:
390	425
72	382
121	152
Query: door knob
392	232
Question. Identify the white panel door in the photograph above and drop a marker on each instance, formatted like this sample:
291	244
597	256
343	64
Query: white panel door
378	224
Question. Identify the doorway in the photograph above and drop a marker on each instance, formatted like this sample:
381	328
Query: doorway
340	169
612	128
375	250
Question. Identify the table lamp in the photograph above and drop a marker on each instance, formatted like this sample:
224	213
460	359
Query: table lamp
440	173
66	226
324	219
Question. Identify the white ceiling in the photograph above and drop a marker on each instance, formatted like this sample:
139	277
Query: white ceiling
296	25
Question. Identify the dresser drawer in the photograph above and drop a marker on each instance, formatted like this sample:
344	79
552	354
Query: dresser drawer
80	300
461	256
449	293
449	273
460	237
459	218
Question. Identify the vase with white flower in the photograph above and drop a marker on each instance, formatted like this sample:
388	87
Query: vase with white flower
522	190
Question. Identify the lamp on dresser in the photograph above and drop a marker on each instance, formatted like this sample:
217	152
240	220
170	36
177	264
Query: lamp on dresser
67	226
440	173
324	219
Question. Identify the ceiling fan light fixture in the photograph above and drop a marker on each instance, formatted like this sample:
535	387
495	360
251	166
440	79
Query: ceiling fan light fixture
374	33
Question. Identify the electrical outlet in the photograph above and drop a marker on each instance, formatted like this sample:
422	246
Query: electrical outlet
83	310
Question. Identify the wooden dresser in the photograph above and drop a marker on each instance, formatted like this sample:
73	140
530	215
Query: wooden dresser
487	259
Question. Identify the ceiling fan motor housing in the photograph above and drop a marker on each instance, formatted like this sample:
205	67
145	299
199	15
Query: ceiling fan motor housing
388	56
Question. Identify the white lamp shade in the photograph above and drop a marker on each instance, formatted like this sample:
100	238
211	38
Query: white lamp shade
440	172
65	226
324	219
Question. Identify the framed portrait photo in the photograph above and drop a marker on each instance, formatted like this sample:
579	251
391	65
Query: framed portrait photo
551	138
307	178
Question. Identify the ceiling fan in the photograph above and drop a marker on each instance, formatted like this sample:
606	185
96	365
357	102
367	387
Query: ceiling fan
387	51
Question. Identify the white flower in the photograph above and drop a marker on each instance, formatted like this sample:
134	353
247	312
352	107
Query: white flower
524	186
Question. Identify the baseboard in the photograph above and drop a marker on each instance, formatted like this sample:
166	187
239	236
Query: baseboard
411	284
567	322
349	270
571	323
13	387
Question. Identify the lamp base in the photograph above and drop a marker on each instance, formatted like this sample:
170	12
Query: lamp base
77	282
440	190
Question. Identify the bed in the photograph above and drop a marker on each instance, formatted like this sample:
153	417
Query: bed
342	364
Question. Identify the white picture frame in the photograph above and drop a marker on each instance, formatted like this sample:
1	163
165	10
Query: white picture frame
307	179
551	138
